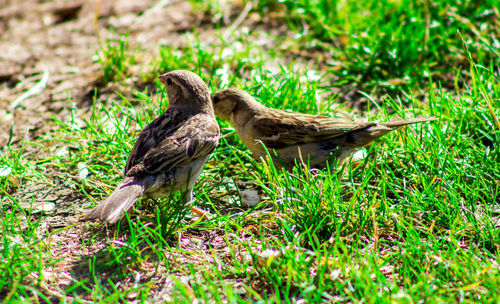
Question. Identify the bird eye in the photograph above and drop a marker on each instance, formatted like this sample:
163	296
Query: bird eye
216	99
169	81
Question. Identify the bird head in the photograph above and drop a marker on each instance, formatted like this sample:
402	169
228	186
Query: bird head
185	88
227	102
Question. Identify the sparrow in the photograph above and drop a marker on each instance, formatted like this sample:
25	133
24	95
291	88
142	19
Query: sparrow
170	152
295	137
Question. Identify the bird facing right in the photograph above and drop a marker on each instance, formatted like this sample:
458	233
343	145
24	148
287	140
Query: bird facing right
296	137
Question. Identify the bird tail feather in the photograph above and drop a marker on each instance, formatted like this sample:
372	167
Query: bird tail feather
124	196
404	122
366	136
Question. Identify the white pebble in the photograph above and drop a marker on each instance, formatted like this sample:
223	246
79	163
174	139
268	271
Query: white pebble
249	198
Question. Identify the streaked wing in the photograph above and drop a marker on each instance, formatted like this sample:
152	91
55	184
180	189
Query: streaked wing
172	140
278	129
159	129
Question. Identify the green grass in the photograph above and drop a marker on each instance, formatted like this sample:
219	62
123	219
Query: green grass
115	58
415	221
382	43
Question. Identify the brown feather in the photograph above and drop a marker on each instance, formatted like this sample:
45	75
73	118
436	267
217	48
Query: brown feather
119	201
171	151
297	136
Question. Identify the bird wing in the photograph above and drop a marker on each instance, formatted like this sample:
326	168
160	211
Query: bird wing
279	129
173	139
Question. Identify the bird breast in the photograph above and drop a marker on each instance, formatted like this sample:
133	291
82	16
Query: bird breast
246	133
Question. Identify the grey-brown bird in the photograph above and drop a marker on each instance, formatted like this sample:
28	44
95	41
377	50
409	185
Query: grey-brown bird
296	137
171	151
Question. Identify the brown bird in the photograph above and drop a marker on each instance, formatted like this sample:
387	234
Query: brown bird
291	137
171	151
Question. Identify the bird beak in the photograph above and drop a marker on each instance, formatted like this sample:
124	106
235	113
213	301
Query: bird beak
163	78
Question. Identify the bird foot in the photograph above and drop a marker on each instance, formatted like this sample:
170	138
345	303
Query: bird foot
204	216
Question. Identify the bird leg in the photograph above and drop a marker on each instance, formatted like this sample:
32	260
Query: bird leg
203	216
188	198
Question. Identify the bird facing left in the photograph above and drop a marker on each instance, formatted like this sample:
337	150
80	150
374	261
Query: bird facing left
170	152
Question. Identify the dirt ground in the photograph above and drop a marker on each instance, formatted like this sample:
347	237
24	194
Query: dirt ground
60	39
49	48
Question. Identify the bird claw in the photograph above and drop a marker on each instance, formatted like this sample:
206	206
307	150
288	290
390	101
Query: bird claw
204	216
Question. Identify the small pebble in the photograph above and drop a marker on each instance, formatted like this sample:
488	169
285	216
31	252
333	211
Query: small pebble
43	207
249	198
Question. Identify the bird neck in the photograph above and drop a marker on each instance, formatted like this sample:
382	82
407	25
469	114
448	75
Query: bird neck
245	112
195	105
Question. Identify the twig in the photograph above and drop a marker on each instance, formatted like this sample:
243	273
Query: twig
34	90
246	10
